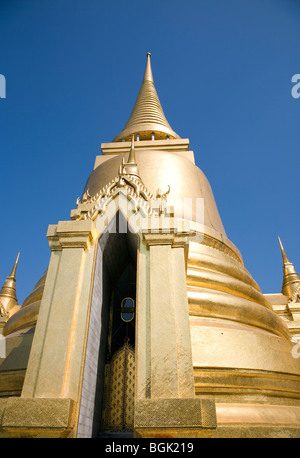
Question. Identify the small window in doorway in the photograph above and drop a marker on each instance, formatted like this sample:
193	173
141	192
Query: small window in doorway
127	309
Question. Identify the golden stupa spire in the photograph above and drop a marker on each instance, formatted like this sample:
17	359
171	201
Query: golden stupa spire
147	120
291	279
8	296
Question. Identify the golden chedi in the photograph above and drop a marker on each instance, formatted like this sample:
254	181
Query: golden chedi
8	294
146	322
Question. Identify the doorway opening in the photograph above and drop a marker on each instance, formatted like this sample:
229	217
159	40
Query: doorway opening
119	373
115	384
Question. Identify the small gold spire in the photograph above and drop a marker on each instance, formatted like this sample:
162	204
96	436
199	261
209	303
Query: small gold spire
13	272
291	279
284	256
8	296
129	167
131	157
147	118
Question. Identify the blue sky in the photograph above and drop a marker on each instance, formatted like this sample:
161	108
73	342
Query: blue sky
222	70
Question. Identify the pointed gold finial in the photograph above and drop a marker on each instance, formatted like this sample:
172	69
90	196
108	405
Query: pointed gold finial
8	296
284	256
13	272
148	71
291	279
147	118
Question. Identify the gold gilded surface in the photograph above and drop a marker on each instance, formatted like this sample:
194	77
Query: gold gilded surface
220	305
226	283
175	417
147	117
11	382
178	146
160	169
213	359
219	286
37	292
254	420
27	315
36	417
228	384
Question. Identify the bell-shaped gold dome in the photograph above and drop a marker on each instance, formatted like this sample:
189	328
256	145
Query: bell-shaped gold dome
160	169
27	314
